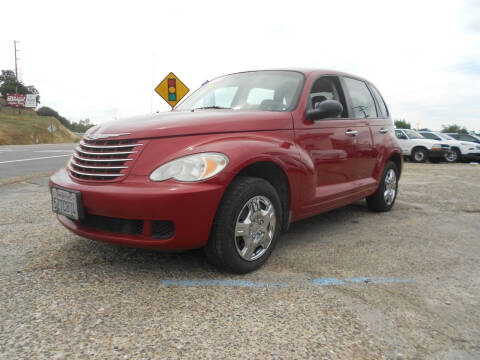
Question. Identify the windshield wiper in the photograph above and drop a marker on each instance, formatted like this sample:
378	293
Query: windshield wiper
210	107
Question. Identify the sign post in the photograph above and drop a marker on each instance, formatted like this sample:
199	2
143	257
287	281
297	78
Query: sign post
171	89
51	128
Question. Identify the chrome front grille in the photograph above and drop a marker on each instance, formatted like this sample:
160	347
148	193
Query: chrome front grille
103	160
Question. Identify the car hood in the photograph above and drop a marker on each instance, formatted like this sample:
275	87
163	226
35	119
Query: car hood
181	123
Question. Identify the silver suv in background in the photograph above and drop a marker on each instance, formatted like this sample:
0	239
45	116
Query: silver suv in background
459	149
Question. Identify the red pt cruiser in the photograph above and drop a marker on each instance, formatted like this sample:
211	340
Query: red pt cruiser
233	165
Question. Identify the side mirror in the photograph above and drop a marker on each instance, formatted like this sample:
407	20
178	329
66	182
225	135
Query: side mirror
325	109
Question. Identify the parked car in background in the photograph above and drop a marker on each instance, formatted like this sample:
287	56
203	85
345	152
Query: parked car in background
459	150
233	165
420	149
465	137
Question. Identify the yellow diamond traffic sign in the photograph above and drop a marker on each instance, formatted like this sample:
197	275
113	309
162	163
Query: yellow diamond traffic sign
171	89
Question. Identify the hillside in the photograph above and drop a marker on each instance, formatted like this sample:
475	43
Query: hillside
27	127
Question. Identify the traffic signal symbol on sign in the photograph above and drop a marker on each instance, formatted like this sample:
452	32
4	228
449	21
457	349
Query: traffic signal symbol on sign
171	89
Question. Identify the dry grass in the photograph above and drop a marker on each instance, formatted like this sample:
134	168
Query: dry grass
26	127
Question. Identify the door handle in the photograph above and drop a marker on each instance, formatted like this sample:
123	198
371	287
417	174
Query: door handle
383	131
351	132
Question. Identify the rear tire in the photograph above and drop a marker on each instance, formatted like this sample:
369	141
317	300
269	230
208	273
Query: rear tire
246	226
419	155
384	198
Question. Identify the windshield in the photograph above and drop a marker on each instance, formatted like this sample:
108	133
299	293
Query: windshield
413	134
256	90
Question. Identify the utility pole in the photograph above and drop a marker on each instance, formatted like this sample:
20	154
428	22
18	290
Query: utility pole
16	68
16	61
152	84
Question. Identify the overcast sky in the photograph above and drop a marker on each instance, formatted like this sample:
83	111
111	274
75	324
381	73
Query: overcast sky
101	60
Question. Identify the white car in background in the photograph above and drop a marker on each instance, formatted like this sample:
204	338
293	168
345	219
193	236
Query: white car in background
420	149
459	149
466	137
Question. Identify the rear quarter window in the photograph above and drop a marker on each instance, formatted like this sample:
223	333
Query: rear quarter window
383	107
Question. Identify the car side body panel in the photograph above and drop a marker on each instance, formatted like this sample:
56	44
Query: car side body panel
342	169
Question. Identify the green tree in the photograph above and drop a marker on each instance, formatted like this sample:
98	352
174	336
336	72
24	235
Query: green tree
454	128
9	85
82	125
46	111
402	124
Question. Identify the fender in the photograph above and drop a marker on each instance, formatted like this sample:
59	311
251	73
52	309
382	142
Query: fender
386	150
242	149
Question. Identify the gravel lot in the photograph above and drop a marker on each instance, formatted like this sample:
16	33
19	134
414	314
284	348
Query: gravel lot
67	297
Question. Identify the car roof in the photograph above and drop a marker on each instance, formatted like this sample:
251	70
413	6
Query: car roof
308	71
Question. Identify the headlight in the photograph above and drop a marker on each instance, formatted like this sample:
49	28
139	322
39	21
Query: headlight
190	168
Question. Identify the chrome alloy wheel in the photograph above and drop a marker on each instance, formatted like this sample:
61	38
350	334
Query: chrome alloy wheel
451	156
255	228
390	186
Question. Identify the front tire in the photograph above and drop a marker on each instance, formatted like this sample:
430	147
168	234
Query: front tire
453	156
246	226
419	155
384	198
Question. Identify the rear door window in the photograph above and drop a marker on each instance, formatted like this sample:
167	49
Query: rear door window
363	105
430	136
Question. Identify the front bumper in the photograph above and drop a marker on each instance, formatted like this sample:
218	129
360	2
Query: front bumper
473	156
190	206
437	154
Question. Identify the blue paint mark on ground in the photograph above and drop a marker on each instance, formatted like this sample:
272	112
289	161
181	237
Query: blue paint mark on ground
261	284
359	280
226	282
328	281
378	280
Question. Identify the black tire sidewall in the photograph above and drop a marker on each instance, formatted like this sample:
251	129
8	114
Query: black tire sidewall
424	155
459	155
229	210
376	202
390	165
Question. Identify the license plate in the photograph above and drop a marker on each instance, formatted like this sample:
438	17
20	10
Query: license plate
67	202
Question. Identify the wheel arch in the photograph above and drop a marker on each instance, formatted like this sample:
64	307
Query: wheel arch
423	147
277	177
397	159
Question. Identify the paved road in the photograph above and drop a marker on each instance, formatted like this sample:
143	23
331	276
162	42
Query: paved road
21	160
348	284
